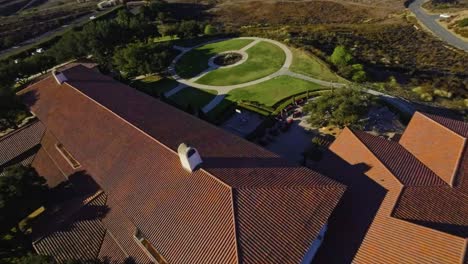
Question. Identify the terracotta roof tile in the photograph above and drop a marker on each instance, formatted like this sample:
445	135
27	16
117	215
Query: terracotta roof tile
20	141
111	252
382	221
78	237
126	141
121	228
256	216
456	126
46	168
408	169
436	146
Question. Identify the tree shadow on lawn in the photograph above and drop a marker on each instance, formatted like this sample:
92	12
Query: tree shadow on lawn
194	62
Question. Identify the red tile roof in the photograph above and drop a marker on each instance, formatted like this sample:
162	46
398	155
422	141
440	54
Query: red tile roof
406	168
413	216
46	168
436	146
126	141
77	237
111	252
20	141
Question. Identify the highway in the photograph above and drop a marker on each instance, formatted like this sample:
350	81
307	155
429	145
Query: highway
430	22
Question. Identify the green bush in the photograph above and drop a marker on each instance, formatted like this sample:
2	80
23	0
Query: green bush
210	30
463	22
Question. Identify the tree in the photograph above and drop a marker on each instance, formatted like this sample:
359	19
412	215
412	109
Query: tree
7	77
40	63
343	107
188	29
101	38
168	29
145	13
71	45
358	73
141	29
31	259
341	56
123	18
40	259
20	191
210	30
142	58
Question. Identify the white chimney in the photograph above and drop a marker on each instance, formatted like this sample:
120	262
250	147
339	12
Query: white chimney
189	157
59	76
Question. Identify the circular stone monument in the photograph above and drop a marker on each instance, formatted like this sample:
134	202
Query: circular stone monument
227	59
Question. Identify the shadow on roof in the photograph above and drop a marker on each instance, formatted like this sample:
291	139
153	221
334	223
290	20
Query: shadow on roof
457	230
29	98
107	260
67	203
18	159
348	224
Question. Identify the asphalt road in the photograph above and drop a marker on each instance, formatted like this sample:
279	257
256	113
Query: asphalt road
430	22
51	32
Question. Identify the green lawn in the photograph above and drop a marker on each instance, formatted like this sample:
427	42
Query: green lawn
196	61
165	39
193	97
312	66
271	92
155	85
264	59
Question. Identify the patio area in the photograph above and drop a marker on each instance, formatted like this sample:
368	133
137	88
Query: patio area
242	123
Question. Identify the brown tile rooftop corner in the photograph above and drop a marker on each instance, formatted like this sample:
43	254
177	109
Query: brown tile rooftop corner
406	202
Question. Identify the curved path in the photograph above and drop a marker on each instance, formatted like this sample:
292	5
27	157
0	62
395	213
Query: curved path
225	89
222	90
430	21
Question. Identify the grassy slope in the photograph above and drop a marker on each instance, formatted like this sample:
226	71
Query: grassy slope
312	66
264	59
197	98
196	61
273	91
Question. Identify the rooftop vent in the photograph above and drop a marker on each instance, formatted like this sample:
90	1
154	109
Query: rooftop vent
59	76
189	157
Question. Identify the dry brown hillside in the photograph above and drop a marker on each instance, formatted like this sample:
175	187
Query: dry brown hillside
243	12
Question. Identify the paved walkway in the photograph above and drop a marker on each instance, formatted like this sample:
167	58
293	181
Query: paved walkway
227	88
213	103
224	90
310	79
177	89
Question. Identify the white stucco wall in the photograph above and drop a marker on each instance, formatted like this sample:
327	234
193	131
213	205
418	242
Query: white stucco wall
309	256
